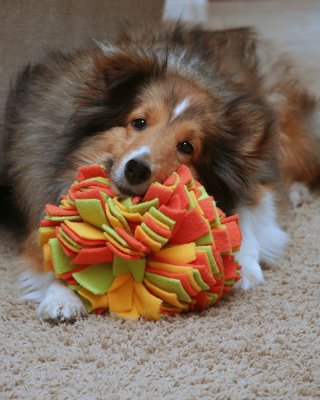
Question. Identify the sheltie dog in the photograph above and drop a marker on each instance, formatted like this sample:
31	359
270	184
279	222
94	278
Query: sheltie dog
217	101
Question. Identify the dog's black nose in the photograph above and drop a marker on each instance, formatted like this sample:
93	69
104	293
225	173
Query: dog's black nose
136	172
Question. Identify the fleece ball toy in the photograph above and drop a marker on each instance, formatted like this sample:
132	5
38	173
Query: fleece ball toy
166	253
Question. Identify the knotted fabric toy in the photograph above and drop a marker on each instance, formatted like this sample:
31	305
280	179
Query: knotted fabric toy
166	253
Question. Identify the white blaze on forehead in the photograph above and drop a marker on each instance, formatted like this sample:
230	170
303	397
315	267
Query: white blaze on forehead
180	108
106	47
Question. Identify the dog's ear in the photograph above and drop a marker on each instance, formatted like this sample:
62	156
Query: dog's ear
111	77
251	123
123	67
109	91
240	153
113	81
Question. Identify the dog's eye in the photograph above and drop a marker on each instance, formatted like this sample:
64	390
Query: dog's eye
185	147
139	124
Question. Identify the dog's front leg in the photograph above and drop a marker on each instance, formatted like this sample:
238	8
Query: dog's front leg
55	300
262	240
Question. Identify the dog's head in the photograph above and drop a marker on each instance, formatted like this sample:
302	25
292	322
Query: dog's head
142	117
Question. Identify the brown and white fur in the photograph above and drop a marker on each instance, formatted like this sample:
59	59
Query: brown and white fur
216	101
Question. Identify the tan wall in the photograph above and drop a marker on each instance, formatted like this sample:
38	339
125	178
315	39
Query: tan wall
29	28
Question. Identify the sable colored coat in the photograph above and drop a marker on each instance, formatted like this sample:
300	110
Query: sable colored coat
219	101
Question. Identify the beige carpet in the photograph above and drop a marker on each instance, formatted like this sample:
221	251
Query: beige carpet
258	344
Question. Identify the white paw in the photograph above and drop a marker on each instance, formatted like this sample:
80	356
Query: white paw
251	275
272	244
34	286
299	193
60	304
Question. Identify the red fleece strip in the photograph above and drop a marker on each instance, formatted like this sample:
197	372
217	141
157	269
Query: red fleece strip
205	275
99	311
133	225
71	281
233	229
90	185
221	213
166	233
171	180
174	202
201	260
230	267
184	199
184	174
197	192
136	200
191	228
115	250
93	256
208	209
162	193
202	300
221	240
65	249
91	171
55	211
181	277
175	215
93	194
231	218
217	289
46	223
132	241
71	195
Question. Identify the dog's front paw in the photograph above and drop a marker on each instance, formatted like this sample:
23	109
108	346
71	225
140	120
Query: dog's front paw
299	194
60	304
251	274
